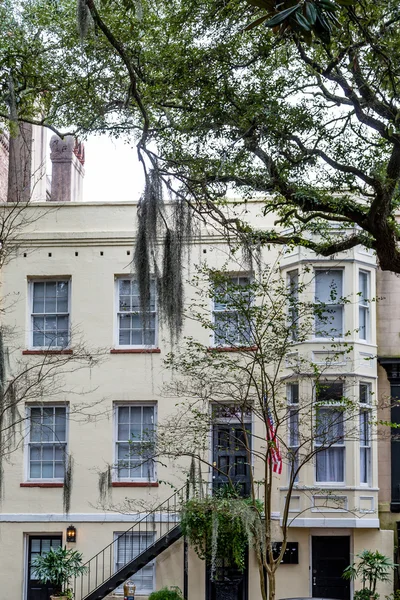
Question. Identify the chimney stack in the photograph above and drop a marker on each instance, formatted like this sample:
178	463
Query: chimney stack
20	167
67	158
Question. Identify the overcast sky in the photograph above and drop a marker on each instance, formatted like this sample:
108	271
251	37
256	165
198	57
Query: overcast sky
112	171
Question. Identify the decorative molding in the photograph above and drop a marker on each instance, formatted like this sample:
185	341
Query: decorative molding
100	517
351	522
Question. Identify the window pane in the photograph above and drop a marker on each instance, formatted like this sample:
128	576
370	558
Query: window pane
362	326
328	286
330	465
329	427
329	391
365	396
363	286
136	424
293	393
46	456
293	428
329	322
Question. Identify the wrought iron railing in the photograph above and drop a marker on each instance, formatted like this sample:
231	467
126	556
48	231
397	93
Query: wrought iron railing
105	567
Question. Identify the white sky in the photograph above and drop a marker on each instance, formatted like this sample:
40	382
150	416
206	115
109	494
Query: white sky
112	170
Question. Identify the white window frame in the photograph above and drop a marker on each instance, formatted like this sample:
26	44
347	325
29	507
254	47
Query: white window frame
330	305
118	312
139	591
215	343
333	407
56	279
293	409
117	406
28	443
364	306
366	409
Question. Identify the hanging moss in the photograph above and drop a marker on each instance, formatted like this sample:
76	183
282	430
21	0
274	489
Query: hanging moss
83	18
67	489
171	287
175	227
105	484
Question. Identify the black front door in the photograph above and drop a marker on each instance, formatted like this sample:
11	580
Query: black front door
230	457
330	557
39	544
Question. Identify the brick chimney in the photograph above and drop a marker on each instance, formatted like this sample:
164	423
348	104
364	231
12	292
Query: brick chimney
20	165
67	158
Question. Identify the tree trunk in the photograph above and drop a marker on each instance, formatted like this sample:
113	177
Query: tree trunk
271	585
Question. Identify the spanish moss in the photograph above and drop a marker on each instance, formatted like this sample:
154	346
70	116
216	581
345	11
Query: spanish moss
172	229
83	18
105	484
171	287
67	489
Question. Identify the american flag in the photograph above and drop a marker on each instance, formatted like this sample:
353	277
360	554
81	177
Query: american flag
274	455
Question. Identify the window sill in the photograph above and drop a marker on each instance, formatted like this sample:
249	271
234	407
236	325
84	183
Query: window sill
135	484
42	485
232	348
135	351
44	352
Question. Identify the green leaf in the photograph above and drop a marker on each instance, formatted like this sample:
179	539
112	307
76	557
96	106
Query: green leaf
302	21
327	5
256	23
311	12
345	2
282	16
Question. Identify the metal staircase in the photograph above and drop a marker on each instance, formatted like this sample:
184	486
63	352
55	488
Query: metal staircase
156	531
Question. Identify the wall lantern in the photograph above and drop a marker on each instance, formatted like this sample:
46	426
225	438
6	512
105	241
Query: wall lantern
71	534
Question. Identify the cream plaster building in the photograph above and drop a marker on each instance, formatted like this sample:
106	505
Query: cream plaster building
67	280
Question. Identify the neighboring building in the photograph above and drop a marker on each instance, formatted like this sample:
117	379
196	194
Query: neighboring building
71	285
388	334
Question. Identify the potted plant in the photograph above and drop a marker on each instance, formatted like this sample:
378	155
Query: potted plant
371	568
57	567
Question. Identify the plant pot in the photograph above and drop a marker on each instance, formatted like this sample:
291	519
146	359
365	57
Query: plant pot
227	590
58	598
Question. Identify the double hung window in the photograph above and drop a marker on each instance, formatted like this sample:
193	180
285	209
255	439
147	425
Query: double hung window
135	328
329	303
329	434
232	319
50	314
47	444
365	433
128	546
293	428
134	442
363	304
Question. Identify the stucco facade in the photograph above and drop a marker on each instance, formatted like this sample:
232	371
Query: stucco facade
90	246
